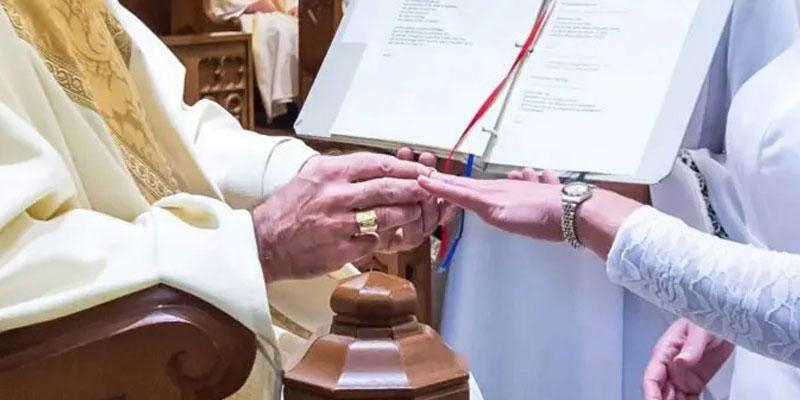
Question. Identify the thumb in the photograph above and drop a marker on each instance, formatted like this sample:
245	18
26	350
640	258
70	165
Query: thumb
697	340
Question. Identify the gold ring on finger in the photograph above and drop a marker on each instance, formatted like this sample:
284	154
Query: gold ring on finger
367	222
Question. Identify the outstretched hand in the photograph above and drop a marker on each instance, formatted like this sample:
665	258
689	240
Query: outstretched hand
528	204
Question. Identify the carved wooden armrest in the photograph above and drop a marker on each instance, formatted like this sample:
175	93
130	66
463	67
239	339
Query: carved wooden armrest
159	343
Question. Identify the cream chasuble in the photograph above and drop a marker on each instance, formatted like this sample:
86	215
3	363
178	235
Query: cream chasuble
110	184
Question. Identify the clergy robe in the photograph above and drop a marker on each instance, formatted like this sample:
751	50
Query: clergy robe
275	48
95	205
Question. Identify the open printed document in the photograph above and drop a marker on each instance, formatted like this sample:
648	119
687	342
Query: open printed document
607	87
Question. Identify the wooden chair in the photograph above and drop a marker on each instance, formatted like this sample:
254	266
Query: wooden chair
159	343
163	344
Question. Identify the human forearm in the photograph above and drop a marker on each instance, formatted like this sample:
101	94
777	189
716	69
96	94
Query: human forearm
744	294
598	219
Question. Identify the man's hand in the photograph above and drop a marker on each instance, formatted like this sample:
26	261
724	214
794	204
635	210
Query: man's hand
684	360
309	227
434	214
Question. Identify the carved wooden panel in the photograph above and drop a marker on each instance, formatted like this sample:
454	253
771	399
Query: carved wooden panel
159	343
189	17
219	68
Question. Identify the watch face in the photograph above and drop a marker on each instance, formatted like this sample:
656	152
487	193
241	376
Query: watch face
576	189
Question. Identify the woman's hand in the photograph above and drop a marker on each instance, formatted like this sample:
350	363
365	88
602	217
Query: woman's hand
684	360
529	203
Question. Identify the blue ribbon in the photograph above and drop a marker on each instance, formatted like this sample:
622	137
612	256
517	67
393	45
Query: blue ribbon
451	253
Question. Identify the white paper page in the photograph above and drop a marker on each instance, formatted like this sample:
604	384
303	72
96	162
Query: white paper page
590	94
428	66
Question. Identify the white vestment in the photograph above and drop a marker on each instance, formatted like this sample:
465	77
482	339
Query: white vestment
536	318
75	230
275	49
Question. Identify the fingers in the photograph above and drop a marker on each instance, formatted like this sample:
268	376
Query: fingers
428	160
651	390
533	175
714	359
458	180
383	191
549	177
366	166
447	212
516	175
697	339
405	154
696	363
404	238
684	378
461	195
388	218
655	379
430	215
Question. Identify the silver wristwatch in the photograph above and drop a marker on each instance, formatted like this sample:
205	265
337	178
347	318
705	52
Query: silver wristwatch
573	194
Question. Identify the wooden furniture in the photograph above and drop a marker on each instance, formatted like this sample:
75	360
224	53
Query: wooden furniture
159	343
218	56
319	20
219	67
377	350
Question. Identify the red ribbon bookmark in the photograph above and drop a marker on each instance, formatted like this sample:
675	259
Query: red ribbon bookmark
541	21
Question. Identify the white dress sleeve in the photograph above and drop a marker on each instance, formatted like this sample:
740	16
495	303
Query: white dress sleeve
747	295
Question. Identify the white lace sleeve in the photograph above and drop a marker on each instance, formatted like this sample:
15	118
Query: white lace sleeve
747	295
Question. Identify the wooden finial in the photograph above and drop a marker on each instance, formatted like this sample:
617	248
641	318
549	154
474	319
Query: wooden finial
377	349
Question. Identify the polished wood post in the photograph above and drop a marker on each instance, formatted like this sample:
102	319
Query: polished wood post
377	349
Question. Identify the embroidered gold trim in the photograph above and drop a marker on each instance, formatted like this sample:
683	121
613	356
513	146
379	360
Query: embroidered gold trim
282	321
87	51
122	40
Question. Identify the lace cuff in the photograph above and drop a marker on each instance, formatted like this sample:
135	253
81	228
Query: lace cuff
629	234
744	294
